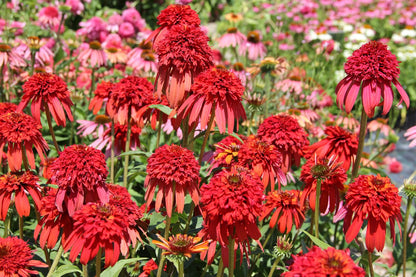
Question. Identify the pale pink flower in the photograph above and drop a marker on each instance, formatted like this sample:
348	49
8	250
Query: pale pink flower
411	135
93	56
232	38
114	22
133	16
49	17
126	30
253	46
381	125
291	86
95	128
9	55
93	29
76	6
18	27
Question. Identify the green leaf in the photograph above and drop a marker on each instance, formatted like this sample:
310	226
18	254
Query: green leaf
116	269
165	109
317	241
237	137
66	269
60	54
136	152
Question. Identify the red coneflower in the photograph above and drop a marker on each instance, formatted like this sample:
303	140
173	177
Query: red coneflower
339	143
181	245
287	210
127	97
332	178
52	222
216	93
153	115
20	186
80	172
264	159
101	95
16	258
183	54
328	262
372	67
93	56
98	226
47	92
285	133
20	132
6	107
231	203
171	16
175	171
375	199
226	151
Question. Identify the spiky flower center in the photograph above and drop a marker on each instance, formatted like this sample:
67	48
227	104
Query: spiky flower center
5	48
253	37
319	171
34	42
96	45
102	119
238	66
147	55
232	30
112	50
234	179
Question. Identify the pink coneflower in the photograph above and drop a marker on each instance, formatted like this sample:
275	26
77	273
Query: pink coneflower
76	6
8	55
254	47
373	68
126	30
114	22
93	56
94	29
411	135
380	125
49	17
232	38
216	94
133	17
95	128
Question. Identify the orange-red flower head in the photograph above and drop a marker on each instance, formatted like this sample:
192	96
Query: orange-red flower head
373	199
374	68
47	91
101	94
181	245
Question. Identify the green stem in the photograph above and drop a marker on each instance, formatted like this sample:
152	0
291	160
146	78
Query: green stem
6	226
92	83
85	270
317	210
220	272
180	269
112	153
190	215
230	257
47	255
159	129
207	133
406	220
48	117
370	263
56	261
32	61
126	158
267	88
2	96
21	223
24	158
335	233
361	138
98	263
160	266
274	267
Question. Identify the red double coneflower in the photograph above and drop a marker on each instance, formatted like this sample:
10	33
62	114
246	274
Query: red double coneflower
216	95
372	68
183	54
376	200
80	172
53	223
285	133
332	178
47	92
127	97
20	132
16	258
96	226
6	107
287	210
19	186
231	203
339	143
324	262
264	159
101	94
175	171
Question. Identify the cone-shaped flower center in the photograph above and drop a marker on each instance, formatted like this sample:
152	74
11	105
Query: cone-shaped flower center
5	48
96	45
102	119
253	37
232	30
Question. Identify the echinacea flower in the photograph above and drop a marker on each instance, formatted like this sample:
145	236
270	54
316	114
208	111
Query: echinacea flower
411	135
80	172
49	17
101	95
93	56
12	184
332	177
324	262
232	38
127	97
47	92
181	245
16	258
53	224
287	210
373	68
98	226
231	203
226	152
216	95
339	143
376	200
20	132
285	133
263	159
6	107
253	46
94	128
175	171
8	55
183	54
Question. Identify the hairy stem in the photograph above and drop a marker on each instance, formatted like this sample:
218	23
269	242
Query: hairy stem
317	210
48	117
406	220
361	138
126	158
56	261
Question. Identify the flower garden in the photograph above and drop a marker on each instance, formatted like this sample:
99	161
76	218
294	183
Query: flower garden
207	138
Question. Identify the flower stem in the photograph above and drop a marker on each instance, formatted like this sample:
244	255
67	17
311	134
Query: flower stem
2	96
159	129
48	117
370	263
230	257
92	83
126	158
207	133
160	266
406	220
47	255
21	223
6	226
274	267
85	270
56	261
98	263
220	272
112	153
361	138
24	158
317	210
180	269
